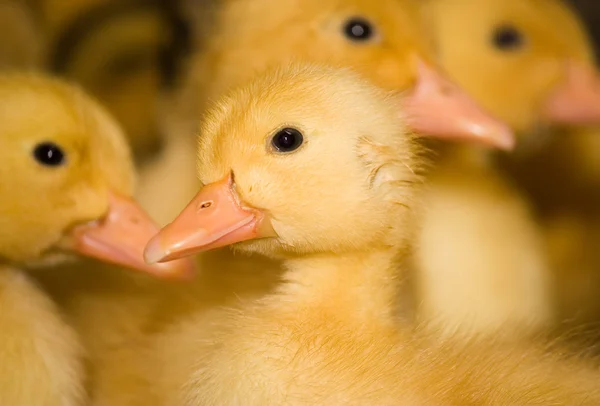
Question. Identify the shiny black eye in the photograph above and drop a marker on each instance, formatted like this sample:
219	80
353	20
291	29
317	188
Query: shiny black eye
507	38
287	140
49	154
358	29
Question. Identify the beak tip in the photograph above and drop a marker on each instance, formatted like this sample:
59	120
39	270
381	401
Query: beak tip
153	252
506	140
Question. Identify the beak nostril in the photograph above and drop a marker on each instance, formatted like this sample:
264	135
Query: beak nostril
206	205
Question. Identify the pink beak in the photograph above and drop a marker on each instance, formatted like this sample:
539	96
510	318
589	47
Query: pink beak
436	107
576	100
120	237
214	218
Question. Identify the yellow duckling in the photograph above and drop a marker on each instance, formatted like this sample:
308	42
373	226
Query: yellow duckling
316	167
482	260
65	181
381	40
384	40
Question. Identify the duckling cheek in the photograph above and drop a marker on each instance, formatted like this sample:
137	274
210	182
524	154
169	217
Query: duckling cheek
89	203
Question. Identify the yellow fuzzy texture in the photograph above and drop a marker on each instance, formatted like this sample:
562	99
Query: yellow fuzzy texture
41	356
326	331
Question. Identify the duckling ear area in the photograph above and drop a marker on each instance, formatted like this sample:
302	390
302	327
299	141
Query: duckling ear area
385	165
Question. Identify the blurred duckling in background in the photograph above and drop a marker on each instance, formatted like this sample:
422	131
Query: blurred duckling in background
22	44
563	179
327	334
479	268
126	54
384	40
65	181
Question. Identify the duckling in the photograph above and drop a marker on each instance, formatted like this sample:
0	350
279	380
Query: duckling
65	189
327	334
383	40
21	45
494	271
562	180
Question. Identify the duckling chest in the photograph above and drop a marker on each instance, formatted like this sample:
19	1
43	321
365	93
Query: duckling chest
292	358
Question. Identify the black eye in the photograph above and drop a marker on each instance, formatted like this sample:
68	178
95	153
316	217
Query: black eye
507	38
358	29
287	140
49	154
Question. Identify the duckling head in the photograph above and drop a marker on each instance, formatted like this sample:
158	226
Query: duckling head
383	40
303	160
66	179
526	61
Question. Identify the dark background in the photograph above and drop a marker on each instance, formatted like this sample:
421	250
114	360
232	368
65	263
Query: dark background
590	12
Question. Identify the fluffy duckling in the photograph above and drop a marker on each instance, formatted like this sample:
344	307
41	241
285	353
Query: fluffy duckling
65	181
327	334
384	40
493	270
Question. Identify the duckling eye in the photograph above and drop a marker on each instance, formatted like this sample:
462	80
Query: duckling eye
358	29
287	140
49	154
507	38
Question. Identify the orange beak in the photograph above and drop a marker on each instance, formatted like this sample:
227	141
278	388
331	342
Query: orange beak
436	107
576	100
214	218
120	237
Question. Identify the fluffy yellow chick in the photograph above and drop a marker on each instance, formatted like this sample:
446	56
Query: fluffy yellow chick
327	182
384	40
65	181
482	261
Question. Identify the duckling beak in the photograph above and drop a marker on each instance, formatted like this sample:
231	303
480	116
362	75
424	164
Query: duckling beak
120	237
576	100
436	107
214	218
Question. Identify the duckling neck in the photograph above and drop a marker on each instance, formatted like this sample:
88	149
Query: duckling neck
358	285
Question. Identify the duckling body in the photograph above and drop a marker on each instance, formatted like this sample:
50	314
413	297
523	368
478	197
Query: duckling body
562	180
81	168
498	265
327	334
41	356
489	270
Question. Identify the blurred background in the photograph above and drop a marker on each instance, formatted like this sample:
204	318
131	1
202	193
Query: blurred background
589	10
124	52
